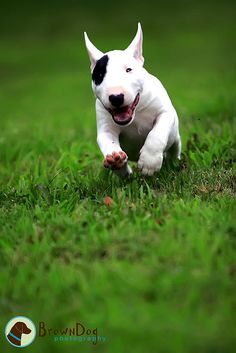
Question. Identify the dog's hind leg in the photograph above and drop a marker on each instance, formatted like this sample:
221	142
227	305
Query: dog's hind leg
175	150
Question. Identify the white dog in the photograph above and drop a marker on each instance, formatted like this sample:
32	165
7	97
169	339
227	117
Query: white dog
135	117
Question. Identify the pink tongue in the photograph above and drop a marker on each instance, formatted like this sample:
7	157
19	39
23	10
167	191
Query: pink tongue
123	115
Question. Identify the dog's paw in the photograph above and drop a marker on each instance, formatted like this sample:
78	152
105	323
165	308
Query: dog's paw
116	160
149	164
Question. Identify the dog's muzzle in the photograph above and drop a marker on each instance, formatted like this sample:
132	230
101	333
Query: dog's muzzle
123	115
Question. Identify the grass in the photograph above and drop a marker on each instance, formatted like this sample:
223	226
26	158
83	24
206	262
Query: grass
155	272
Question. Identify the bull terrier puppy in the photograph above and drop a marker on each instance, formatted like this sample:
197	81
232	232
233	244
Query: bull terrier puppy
135	116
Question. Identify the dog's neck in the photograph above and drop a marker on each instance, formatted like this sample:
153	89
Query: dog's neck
15	334
146	95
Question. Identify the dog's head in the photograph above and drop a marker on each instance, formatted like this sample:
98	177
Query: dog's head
117	78
21	328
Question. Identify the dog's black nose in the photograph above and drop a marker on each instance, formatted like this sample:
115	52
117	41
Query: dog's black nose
116	100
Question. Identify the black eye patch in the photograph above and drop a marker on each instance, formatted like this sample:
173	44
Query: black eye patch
100	70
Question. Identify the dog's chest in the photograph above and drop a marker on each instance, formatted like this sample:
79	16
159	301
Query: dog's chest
133	136
141	125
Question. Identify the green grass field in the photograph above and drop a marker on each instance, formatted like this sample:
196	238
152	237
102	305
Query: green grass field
155	272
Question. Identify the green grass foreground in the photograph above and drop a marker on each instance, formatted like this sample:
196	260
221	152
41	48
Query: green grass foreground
155	271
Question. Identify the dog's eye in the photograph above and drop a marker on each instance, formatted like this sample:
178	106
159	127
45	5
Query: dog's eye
128	69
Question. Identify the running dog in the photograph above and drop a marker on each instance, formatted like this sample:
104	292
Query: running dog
135	116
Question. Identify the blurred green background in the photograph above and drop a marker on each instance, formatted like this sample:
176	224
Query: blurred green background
156	272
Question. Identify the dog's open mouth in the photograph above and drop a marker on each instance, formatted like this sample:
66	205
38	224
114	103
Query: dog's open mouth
124	115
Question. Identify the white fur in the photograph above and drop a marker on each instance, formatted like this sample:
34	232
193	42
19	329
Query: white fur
153	131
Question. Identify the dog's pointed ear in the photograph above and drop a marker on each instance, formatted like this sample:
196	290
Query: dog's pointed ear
93	52
136	46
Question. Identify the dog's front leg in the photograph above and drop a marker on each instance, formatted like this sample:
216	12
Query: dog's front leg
114	158
151	154
108	140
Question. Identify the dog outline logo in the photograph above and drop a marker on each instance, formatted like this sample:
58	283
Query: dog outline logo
20	331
